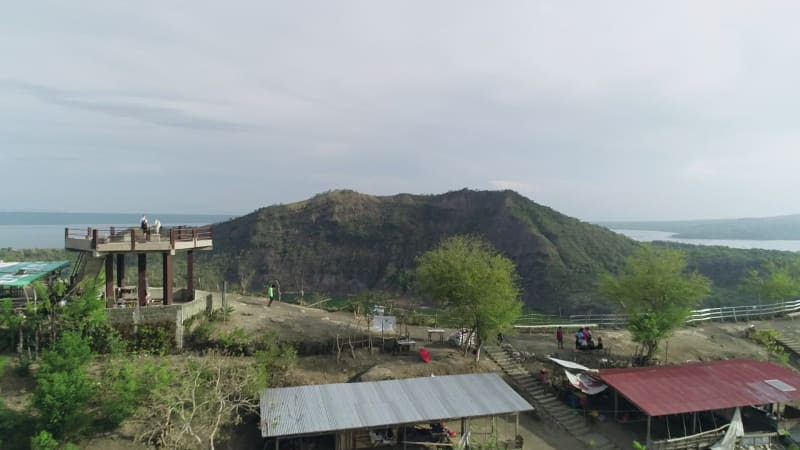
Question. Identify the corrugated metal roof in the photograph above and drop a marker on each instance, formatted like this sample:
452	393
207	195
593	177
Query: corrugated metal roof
703	386
332	407
23	273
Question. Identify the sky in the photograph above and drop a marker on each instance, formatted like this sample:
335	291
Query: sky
635	110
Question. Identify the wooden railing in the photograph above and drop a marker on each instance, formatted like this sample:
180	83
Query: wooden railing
699	440
138	235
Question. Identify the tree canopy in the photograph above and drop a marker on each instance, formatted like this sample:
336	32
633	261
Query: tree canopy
657	293
780	282
474	283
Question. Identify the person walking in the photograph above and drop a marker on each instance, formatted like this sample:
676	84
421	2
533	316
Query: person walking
560	337
271	294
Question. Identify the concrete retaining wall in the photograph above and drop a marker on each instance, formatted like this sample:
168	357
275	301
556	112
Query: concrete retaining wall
179	312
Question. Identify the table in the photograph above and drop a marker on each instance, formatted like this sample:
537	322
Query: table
406	345
439	331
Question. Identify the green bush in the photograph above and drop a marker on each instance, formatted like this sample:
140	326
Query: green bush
129	385
64	387
234	342
44	441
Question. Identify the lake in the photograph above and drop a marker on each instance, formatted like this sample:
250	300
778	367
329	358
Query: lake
650	236
46	230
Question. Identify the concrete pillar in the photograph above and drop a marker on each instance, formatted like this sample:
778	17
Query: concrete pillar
120	269
142	284
168	277
110	297
190	273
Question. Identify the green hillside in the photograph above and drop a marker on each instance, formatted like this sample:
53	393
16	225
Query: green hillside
343	242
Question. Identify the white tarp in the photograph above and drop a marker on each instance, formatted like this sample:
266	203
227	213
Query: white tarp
735	431
585	382
572	365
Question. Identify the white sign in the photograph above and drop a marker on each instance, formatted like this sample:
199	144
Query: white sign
383	323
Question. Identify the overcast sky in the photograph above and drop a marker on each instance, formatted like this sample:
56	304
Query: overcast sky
601	110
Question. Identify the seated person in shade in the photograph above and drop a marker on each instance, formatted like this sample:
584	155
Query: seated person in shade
599	345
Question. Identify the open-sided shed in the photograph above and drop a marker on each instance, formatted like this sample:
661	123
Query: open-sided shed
345	408
707	386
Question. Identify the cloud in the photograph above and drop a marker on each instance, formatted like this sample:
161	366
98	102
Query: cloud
141	108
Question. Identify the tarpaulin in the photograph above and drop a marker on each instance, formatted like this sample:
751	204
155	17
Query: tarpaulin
735	430
571	365
586	383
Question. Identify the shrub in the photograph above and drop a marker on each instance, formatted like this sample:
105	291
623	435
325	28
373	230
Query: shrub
64	387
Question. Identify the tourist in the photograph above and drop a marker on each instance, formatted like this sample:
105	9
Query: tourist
599	345
560	337
271	294
580	343
145	226
157	226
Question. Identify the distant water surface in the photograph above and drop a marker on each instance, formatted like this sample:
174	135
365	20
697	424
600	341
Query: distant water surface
650	236
46	230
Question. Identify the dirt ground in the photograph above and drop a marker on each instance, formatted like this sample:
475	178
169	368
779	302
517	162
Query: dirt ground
296	323
708	341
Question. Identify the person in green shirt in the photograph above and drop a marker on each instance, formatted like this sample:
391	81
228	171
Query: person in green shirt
271	294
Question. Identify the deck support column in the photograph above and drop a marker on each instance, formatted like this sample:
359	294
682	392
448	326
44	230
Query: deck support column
516	425
120	269
190	273
168	277
142	284
649	442
616	405
110	297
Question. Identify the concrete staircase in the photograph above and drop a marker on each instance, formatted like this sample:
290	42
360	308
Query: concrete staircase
791	344
547	405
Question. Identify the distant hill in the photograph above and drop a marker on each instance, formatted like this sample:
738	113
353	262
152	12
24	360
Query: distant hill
343	242
766	228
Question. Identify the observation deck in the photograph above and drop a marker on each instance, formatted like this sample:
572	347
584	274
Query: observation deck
103	241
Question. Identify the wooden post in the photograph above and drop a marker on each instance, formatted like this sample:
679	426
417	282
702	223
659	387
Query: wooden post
167	277
516	425
616	404
648	431
94	239
142	284
110	297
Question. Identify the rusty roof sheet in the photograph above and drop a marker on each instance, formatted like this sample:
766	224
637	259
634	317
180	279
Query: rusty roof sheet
704	386
331	407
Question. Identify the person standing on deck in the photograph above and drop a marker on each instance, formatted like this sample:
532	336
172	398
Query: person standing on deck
271	294
145	226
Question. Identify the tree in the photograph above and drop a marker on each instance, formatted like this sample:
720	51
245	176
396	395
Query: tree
780	283
472	282
656	293
64	386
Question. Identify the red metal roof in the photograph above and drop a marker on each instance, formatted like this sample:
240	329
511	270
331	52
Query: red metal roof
704	386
